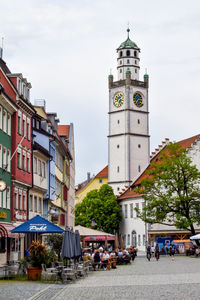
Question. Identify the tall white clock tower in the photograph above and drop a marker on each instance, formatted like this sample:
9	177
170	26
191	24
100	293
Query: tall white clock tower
128	139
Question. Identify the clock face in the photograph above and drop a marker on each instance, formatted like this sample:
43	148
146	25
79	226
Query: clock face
137	99
118	99
2	185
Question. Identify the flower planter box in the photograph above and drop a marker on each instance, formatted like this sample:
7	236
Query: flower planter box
34	273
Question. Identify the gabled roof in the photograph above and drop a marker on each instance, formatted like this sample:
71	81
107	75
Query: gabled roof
81	186
102	173
130	193
63	130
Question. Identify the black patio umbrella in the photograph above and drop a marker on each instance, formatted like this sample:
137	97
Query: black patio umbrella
68	244
77	244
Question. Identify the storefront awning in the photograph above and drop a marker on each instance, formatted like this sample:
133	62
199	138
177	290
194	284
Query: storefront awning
38	225
98	238
5	231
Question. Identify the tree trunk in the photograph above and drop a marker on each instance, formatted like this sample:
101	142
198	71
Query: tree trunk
192	229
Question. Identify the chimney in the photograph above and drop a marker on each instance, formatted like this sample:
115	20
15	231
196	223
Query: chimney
88	176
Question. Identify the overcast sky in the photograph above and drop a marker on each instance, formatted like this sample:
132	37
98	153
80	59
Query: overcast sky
66	49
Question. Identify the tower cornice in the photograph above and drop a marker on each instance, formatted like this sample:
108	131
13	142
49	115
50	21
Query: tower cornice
137	83
129	109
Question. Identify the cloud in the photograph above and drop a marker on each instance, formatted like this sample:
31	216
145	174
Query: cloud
66	50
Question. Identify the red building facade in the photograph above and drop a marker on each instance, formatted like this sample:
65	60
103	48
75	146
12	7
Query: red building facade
18	89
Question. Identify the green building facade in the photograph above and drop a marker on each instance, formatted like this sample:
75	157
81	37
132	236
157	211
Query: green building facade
7	108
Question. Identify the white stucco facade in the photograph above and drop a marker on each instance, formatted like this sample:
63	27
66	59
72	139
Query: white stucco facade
132	228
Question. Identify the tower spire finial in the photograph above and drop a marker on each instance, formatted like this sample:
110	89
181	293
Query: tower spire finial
128	29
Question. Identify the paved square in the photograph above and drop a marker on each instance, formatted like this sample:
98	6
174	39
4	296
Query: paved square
165	279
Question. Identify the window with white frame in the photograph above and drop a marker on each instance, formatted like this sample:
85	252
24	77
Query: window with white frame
4	199
137	206
40	205
8	197
100	180
19	122
35	203
39	167
24	201
19	158
31	202
144	239
28	129
0	156
20	201
1	118
131	210
8	161
24	161
129	239
43	169
16	200
124	240
35	165
24	126
28	163
125	211
5	121
139	240
57	188
4	158
9	124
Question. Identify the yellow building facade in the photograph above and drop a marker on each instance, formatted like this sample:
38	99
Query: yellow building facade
100	179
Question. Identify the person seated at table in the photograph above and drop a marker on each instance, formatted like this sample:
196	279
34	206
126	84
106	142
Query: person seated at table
113	253
101	252
86	256
120	253
106	255
96	259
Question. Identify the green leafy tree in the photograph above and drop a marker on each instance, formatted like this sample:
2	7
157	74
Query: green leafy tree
172	190
100	207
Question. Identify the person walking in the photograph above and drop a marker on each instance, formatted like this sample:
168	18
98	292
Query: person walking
149	253
157	252
172	251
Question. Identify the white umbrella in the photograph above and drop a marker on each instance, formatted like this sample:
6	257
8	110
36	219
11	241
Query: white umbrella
195	237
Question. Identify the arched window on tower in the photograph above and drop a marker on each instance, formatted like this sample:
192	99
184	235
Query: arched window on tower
118	169
128	61
135	53
128	53
120	53
120	70
120	62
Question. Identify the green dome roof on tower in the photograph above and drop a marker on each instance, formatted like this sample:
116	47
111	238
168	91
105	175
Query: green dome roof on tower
128	42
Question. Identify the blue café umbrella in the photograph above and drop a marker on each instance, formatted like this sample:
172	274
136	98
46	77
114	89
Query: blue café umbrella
37	224
68	244
77	244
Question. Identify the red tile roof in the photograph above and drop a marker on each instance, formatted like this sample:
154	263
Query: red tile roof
187	143
63	130
102	173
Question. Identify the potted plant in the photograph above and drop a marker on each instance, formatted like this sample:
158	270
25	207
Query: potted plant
38	256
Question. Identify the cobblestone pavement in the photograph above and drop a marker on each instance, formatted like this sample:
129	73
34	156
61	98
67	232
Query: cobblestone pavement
165	279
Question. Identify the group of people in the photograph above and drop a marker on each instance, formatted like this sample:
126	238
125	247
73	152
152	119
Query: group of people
155	251
100	256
